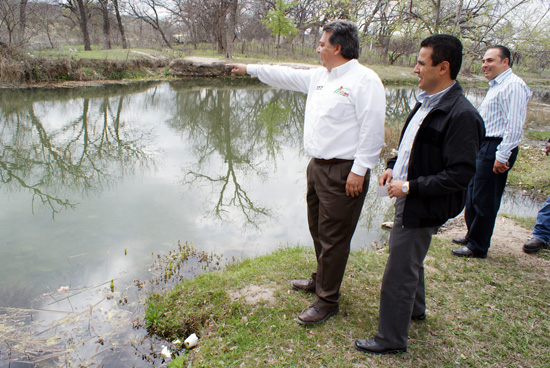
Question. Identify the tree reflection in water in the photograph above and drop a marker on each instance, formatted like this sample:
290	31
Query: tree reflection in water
245	128
57	161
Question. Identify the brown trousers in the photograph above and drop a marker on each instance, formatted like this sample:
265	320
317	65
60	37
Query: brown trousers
332	218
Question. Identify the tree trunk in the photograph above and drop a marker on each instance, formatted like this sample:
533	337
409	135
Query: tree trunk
120	26
83	22
49	35
230	32
22	20
164	38
106	24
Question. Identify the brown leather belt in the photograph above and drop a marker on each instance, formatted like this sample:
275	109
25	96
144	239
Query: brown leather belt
331	160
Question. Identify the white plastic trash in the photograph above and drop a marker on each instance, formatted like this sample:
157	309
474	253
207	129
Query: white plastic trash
191	341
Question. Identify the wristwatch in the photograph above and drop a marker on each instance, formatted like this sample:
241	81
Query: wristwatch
405	188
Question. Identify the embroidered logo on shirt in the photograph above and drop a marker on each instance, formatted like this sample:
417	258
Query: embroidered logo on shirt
319	88
342	91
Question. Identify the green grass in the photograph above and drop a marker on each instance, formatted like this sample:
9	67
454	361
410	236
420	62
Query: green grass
541	135
480	313
525	222
531	172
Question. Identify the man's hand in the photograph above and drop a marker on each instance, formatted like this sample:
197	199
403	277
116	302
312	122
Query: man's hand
500	167
385	178
238	69
394	188
354	184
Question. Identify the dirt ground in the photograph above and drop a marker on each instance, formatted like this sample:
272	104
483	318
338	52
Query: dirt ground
508	239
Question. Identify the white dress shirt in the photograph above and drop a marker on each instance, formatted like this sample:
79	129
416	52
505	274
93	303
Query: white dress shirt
345	110
503	110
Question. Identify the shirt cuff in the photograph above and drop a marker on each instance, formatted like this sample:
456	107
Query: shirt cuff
358	169
502	157
252	70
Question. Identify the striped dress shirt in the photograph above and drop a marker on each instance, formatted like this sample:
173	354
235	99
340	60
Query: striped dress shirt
401	167
503	110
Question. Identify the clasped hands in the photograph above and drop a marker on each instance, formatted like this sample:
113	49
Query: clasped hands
394	186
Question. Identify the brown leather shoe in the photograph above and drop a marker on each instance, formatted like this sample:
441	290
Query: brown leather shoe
303	285
533	245
314	315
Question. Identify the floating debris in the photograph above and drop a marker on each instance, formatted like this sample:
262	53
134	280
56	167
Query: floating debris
166	352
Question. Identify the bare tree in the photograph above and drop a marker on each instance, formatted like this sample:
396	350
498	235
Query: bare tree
230	34
148	11
22	20
119	23
8	20
43	19
104	7
80	9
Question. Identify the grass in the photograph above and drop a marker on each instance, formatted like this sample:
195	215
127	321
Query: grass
541	135
525	222
481	313
531	172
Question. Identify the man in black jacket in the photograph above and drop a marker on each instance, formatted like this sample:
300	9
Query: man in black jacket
435	161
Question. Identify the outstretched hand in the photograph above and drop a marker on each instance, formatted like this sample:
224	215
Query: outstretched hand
237	69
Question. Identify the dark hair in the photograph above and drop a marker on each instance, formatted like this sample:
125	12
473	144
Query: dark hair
445	48
345	34
503	52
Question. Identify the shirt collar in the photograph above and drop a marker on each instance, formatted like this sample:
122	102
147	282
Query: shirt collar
339	70
429	101
501	77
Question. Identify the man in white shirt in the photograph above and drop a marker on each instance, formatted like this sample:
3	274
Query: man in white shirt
344	134
503	110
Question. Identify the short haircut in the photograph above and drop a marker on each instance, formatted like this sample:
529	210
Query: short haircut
345	34
503	52
445	48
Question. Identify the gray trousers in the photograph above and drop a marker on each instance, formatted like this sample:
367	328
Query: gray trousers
332	218
402	294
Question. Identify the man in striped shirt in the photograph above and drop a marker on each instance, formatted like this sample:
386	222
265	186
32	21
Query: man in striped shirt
503	110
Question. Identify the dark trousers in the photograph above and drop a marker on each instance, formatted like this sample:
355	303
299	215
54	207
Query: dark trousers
483	197
402	294
332	218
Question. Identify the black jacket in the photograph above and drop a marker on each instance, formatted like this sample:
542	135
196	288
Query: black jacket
442	160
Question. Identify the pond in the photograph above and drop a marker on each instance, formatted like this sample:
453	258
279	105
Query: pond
98	182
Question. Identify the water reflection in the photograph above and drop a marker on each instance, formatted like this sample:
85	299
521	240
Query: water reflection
126	171
53	150
244	130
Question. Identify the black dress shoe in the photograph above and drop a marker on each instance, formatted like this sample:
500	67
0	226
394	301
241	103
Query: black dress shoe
371	347
466	252
314	315
304	285
420	317
533	245
460	241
